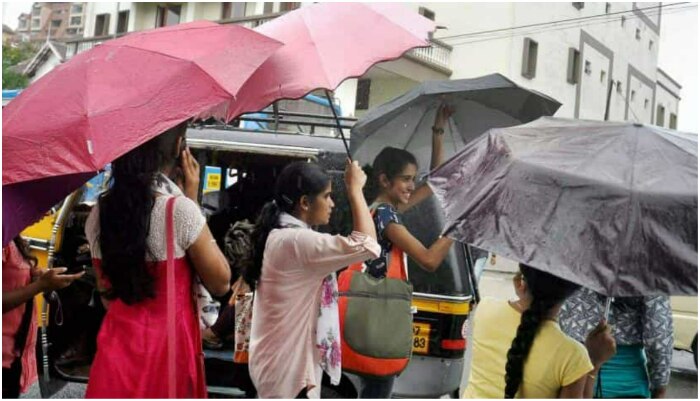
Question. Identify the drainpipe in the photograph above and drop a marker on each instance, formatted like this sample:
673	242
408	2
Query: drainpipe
607	103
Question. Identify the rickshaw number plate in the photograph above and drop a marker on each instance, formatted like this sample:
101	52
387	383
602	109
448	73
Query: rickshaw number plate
421	337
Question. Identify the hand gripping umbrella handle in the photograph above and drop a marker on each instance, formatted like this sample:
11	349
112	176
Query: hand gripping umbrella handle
337	122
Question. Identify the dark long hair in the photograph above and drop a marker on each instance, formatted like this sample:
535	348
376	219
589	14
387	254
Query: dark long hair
125	216
296	180
24	250
390	162
547	292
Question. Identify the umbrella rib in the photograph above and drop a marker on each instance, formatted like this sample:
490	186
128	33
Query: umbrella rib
180	59
628	229
318	53
416	129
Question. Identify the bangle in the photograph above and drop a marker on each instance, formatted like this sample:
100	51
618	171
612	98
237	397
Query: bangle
593	377
438	131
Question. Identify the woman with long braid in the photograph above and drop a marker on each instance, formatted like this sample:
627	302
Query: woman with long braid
520	351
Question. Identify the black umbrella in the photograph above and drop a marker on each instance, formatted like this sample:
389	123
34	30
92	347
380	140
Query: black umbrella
479	104
610	206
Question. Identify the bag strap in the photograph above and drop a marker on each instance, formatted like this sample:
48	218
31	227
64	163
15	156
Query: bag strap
23	330
170	289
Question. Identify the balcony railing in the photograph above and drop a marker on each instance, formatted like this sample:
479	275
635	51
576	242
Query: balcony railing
79	45
437	56
252	21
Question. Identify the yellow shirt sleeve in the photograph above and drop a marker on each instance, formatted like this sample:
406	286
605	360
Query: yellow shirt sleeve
576	365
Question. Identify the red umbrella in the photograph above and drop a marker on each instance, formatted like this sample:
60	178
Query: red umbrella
106	101
325	44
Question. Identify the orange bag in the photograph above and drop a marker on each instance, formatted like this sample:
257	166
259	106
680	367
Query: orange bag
376	319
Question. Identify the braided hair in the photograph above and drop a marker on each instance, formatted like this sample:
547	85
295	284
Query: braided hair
547	292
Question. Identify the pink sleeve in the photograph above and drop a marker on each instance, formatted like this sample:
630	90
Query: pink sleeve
328	253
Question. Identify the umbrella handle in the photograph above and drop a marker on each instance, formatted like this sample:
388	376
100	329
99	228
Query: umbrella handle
608	303
337	122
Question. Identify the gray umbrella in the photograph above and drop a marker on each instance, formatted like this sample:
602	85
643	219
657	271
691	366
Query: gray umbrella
480	104
610	206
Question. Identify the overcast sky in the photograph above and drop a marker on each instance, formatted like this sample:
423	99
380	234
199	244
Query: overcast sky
678	55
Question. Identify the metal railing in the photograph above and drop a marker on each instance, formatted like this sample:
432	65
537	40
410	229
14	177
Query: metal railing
436	56
76	46
252	21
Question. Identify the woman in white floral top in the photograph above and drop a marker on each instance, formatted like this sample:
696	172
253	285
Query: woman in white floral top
295	333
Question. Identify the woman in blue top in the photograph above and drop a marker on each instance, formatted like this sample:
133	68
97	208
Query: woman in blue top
394	174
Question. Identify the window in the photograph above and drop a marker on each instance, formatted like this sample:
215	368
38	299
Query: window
638	33
427	13
634	94
578	6
660	111
36	10
362	96
673	121
123	21
623	19
55	23
71	31
529	68
574	68
35	23
587	70
239	10
76	21
102	25
619	87
651	44
76	9
168	15
22	24
287	6
646	103
602	76
225	10
268	7
608	7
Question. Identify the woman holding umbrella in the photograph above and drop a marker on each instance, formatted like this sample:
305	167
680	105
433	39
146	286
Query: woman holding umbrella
520	350
394	172
148	239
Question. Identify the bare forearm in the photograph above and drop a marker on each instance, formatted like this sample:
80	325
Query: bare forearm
436	156
361	218
437	253
589	390
15	298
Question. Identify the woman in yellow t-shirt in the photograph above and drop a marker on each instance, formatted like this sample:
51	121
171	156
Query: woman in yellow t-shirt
519	349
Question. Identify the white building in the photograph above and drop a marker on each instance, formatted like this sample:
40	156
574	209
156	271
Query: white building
570	51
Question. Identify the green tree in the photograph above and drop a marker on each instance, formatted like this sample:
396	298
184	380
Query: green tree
11	56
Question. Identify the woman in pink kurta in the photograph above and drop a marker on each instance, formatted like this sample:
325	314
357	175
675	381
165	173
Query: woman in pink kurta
19	327
292	283
148	241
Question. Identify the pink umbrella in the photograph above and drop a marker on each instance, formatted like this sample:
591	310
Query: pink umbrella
106	101
325	44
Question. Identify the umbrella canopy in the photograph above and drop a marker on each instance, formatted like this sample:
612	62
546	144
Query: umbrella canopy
104	102
480	104
610	206
325	44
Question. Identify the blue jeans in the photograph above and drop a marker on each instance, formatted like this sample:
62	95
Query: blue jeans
377	388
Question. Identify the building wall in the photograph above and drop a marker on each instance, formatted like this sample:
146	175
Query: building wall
384	89
606	46
668	96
